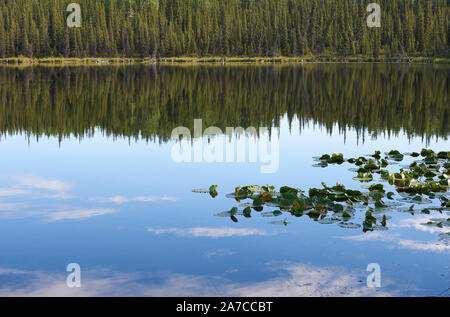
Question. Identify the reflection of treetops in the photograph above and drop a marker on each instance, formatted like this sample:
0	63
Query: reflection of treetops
423	182
150	102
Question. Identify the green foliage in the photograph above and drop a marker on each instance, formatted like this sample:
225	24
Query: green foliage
161	28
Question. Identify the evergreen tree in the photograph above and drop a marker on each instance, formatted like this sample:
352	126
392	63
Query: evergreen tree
162	28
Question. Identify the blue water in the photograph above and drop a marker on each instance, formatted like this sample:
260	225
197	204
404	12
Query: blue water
126	213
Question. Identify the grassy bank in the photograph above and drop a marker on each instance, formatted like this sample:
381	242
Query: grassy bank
212	60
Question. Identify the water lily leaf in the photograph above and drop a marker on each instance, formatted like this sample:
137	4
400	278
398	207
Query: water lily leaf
321	164
223	214
290	196
327	221
258	202
418	200
349	225
395	155
275	213
214	194
243	193
247	212
368	226
426	152
213	188
376	194
287	189
285	203
380	204
364	177
346	215
273	203
314	214
336	207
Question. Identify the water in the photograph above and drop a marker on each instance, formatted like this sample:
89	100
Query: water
87	177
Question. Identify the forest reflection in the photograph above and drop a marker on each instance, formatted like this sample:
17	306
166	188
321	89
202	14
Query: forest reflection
148	102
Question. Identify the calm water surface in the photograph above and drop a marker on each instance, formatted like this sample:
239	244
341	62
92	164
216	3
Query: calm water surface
87	177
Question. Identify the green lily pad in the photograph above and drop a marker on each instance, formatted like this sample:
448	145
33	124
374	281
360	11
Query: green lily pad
247	212
349	225
275	213
327	221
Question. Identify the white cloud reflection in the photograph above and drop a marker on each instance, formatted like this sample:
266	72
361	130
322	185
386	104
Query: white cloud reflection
7	192
209	232
42	183
293	279
123	199
79	214
420	223
395	240
43	191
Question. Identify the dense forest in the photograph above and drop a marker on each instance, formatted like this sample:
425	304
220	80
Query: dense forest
150	101
161	28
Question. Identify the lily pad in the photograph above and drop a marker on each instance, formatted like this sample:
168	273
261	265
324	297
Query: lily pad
327	221
349	225
275	213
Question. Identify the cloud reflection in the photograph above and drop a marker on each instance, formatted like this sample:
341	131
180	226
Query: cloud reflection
208	232
291	280
7	192
396	241
42	183
79	214
123	199
32	187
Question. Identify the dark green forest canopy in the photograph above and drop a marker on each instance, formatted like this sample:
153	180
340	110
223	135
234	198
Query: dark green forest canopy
161	28
150	101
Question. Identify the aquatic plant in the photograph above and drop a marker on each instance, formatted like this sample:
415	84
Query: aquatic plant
339	204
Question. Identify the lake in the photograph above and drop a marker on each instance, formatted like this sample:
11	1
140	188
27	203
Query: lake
89	175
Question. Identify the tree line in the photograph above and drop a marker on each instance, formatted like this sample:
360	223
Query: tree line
171	28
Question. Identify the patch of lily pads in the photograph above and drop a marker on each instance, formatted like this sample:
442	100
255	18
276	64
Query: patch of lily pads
421	187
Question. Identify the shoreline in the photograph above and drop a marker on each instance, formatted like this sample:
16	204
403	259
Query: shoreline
91	61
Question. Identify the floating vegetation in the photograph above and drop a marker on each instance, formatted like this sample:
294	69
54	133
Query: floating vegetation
212	191
395	155
349	225
332	159
425	181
